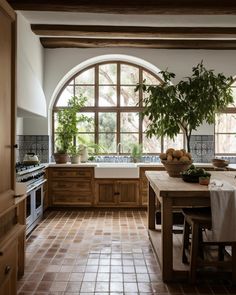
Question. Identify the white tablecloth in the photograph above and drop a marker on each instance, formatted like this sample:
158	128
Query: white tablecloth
223	208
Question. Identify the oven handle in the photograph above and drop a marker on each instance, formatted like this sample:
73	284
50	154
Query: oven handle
36	185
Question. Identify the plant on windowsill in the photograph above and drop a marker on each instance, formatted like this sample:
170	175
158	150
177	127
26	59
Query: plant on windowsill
136	152
66	131
186	105
75	153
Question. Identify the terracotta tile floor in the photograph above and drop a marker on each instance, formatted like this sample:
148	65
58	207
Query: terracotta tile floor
98	252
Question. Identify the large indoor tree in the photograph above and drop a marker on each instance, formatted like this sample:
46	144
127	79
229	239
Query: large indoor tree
185	106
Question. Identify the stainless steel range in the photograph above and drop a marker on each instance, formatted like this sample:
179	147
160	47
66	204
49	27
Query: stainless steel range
33	177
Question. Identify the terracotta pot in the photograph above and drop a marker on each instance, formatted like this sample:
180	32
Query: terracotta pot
75	159
60	158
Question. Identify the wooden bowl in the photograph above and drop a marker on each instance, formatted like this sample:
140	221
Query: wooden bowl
220	163
174	169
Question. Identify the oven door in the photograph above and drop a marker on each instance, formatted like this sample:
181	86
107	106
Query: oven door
30	208
38	194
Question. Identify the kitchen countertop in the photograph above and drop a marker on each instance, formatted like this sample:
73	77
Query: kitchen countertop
152	164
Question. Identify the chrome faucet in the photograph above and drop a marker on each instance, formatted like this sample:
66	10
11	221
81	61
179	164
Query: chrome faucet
119	148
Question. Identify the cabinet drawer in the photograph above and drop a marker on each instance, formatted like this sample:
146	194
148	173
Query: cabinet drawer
72	200
71	186
8	262
83	173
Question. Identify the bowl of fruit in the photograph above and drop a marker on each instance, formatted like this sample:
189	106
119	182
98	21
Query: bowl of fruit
193	174
176	161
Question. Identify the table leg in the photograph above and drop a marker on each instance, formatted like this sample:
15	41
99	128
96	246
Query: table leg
167	239
151	208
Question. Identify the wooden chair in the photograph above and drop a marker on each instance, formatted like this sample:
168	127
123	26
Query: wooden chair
195	221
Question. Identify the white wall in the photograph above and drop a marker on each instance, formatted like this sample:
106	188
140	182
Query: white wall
30	70
35	126
58	62
19	126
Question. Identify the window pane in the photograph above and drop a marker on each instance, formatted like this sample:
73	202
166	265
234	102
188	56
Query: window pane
146	122
150	79
128	97
177	143
88	92
225	123
55	121
108	141
107	96
72	82
108	74
234	95
88	138
107	122
129	74
66	94
151	145
86	77
129	122
127	140
225	143
86	126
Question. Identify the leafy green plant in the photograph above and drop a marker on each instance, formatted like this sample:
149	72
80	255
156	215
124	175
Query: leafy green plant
136	152
186	105
68	120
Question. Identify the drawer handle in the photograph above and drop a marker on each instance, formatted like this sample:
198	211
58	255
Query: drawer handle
116	193
7	269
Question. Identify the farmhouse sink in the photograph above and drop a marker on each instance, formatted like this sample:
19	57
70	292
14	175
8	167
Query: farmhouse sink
116	170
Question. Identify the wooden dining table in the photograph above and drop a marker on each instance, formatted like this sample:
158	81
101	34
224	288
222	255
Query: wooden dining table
172	193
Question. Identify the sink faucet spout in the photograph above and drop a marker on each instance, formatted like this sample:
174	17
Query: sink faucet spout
119	149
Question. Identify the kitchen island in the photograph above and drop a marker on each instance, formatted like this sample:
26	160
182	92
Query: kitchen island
173	192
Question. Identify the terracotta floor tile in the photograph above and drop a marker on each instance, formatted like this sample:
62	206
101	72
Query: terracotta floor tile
102	287
73	287
101	253
116	287
58	286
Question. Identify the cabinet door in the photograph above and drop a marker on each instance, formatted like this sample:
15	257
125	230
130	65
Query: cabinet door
8	270
128	192
7	104
106	193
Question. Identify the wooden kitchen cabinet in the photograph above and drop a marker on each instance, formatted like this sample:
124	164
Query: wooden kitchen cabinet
12	208
117	193
8	267
71	186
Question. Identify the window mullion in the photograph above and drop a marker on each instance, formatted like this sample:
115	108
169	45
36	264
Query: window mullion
118	137
96	93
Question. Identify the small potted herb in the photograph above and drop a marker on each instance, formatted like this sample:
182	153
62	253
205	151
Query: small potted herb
136	152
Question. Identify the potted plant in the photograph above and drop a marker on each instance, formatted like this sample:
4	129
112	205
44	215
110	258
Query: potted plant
184	106
136	152
75	153
68	120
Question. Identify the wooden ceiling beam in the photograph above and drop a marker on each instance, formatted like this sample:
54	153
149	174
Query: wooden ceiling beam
133	31
137	43
174	7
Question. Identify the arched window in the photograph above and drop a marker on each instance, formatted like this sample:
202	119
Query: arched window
225	129
114	107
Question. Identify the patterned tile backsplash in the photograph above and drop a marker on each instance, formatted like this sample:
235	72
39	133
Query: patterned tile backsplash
38	144
202	149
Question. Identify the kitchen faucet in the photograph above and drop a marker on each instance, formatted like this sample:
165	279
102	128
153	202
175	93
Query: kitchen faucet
119	148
